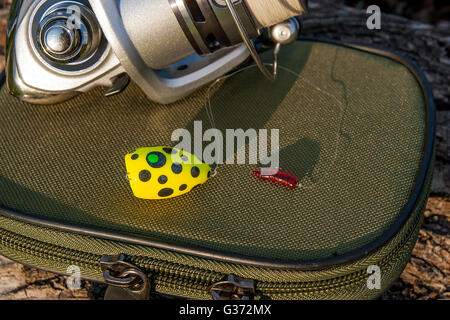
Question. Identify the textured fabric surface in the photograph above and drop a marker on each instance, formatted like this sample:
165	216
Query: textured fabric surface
66	161
71	249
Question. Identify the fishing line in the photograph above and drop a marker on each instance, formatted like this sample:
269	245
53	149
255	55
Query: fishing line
210	115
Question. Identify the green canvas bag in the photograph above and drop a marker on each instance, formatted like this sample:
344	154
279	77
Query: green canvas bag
356	127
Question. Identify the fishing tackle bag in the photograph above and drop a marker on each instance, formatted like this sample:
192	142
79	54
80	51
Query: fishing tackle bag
356	127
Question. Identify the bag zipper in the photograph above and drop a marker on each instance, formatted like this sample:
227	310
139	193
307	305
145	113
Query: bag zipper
135	273
126	280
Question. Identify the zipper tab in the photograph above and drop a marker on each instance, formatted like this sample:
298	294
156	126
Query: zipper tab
126	281
234	288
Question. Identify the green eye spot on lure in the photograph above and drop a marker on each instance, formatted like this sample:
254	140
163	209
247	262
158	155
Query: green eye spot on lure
164	172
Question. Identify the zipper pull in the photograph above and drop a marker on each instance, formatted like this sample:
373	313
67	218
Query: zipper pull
125	281
233	288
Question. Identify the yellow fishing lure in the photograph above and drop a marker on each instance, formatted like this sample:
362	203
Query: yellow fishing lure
164	172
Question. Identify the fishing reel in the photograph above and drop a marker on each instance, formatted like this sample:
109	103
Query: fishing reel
59	48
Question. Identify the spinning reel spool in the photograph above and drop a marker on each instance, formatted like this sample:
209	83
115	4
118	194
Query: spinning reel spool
59	48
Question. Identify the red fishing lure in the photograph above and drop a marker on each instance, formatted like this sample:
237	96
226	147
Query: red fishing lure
276	176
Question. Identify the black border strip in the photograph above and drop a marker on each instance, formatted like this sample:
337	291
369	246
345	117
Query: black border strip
267	263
